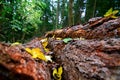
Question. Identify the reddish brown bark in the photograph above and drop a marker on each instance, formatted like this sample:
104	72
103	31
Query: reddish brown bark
99	28
88	59
95	58
17	64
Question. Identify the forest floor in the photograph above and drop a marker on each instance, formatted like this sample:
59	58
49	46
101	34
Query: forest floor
83	52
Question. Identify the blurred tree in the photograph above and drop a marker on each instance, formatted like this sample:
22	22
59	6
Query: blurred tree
57	13
20	19
99	7
90	11
47	18
102	6
78	10
70	13
63	12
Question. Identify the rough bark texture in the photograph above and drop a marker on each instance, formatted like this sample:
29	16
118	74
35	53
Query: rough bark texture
96	28
17	64
88	59
95	58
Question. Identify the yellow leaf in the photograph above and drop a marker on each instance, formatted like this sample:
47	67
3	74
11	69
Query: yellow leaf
54	73
60	70
114	17
15	43
59	38
53	36
46	49
108	13
82	38
42	57
28	50
115	12
37	53
35	50
57	74
111	13
45	43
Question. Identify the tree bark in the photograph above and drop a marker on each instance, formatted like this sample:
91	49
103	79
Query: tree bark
94	8
88	59
99	29
70	13
57	13
78	7
63	12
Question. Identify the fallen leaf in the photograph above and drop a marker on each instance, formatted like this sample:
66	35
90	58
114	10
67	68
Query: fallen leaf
28	50
66	40
45	43
57	74
15	43
37	53
58	38
108	12
111	13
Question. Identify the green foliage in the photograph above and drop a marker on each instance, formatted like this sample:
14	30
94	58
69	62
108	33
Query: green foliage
111	13
66	40
20	19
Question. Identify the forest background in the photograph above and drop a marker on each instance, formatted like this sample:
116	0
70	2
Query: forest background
22	20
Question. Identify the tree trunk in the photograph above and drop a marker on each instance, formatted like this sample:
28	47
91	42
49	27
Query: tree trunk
94	8
57	14
70	13
63	12
96	58
89	9
78	7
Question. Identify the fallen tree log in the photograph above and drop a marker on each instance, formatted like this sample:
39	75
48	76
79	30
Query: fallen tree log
96	57
88	59
99	29
17	64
